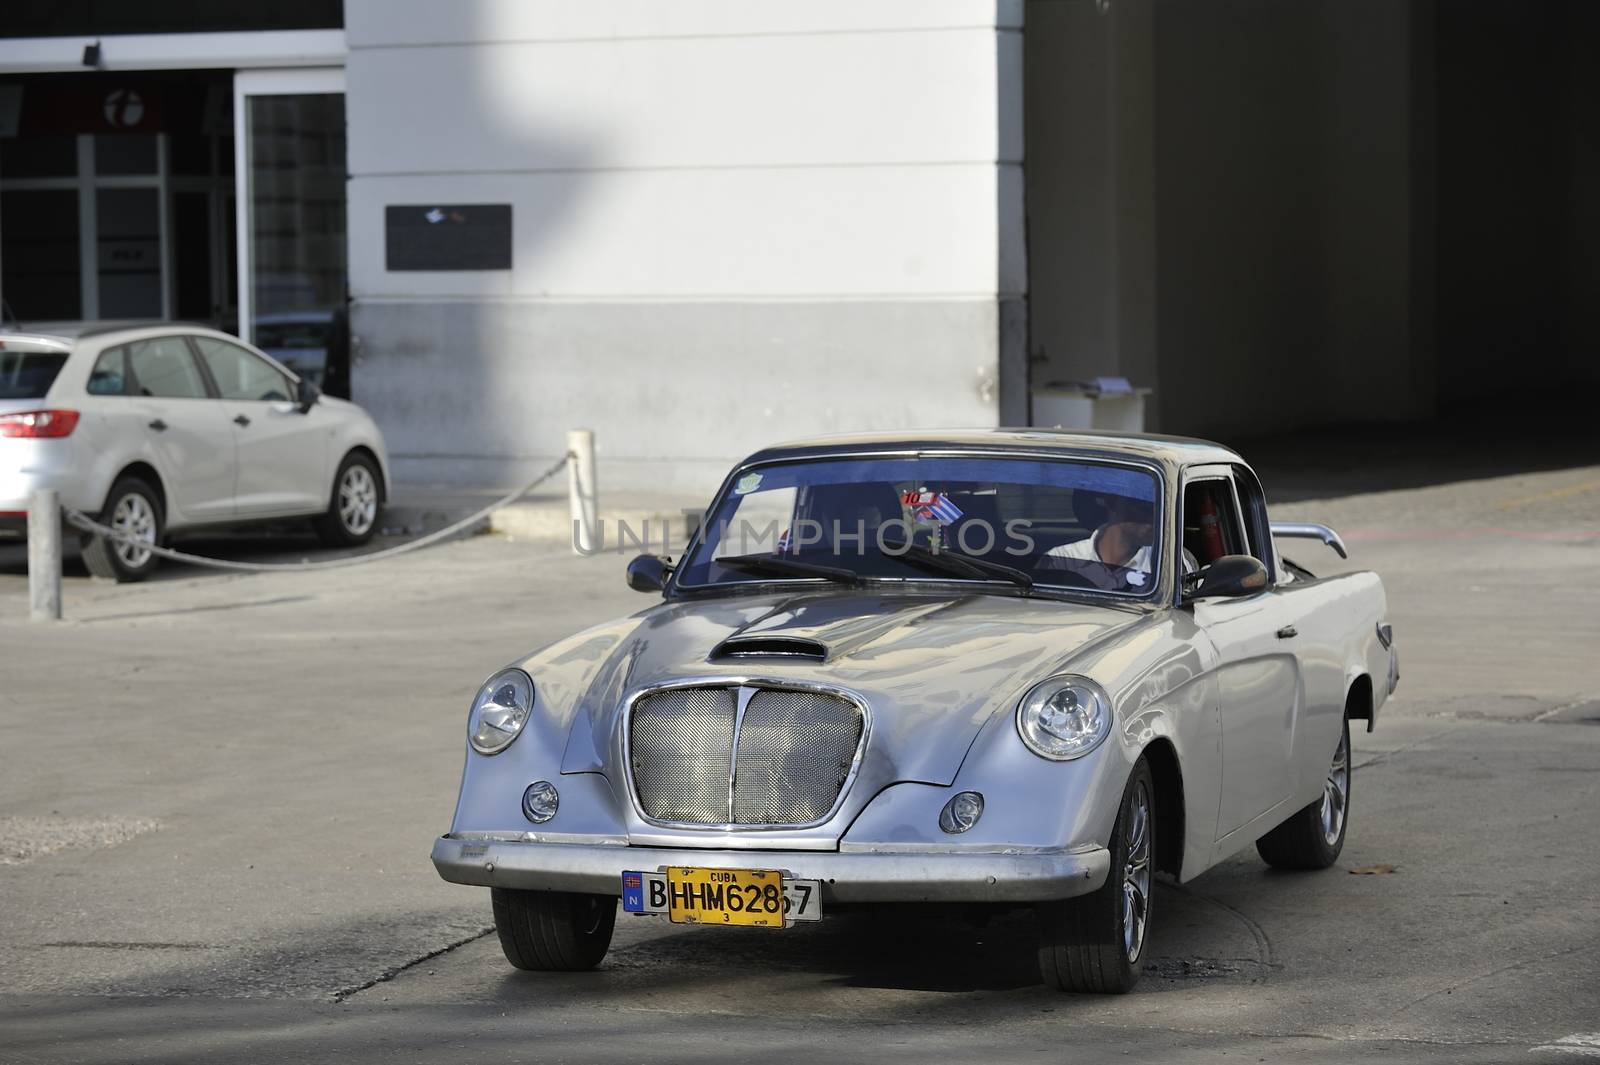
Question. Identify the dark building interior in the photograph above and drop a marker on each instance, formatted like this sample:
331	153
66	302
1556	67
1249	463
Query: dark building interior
1285	215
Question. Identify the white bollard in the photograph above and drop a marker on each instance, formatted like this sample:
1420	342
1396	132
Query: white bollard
582	495
44	556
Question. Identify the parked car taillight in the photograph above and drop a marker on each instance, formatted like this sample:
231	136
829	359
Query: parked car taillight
39	423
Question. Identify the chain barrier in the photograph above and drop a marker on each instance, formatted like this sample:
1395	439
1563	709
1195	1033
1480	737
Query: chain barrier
84	523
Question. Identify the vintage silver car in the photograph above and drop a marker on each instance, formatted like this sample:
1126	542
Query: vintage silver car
1012	667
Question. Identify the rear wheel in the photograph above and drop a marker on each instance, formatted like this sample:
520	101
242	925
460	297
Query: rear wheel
1096	943
553	931
1313	836
352	515
134	509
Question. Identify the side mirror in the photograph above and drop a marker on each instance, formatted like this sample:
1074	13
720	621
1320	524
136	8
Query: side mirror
307	395
1228	577
648	573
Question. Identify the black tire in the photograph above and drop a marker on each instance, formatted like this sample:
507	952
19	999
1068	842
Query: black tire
108	558
345	524
1302	842
1083	941
553	931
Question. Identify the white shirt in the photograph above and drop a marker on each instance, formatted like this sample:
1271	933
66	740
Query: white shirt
1088	550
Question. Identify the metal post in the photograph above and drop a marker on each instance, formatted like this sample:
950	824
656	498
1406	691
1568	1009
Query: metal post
581	492
44	556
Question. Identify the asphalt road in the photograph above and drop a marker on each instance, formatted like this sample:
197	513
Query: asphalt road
217	796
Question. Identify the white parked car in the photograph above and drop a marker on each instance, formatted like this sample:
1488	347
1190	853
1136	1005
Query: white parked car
163	428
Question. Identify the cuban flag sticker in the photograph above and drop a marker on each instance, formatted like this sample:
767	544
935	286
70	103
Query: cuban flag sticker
932	506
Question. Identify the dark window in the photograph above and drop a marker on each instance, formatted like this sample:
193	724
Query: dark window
1211	520
39	156
1258	529
93	18
164	368
28	374
41	276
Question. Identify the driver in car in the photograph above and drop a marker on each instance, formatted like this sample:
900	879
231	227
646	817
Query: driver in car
1117	554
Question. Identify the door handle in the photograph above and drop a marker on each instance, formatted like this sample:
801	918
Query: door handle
159	426
1288	632
241	420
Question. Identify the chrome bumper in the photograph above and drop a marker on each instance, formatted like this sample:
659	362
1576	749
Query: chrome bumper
856	876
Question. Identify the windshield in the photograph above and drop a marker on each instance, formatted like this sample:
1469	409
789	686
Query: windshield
1001	521
28	374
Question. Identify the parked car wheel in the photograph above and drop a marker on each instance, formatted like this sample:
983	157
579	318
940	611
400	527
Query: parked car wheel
553	931
132	507
1313	837
352	515
1095	944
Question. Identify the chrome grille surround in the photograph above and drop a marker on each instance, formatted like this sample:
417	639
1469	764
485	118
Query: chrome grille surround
734	753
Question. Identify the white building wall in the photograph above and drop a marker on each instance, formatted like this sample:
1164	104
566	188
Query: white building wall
734	222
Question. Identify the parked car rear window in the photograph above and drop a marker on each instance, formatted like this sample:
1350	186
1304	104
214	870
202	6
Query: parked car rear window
110	375
29	374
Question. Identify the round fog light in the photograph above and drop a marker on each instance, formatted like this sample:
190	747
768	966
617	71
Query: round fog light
541	800
961	812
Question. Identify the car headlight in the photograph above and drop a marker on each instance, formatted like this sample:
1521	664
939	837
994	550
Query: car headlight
500	710
1064	717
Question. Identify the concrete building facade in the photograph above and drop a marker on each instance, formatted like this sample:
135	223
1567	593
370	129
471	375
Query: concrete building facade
732	222
698	226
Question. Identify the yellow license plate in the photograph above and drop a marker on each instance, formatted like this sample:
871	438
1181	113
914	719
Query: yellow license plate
752	897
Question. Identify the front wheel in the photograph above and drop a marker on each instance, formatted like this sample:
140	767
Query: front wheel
553	931
1095	944
134	509
352	514
1313	836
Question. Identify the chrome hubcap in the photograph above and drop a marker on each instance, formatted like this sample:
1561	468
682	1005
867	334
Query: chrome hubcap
134	517
1136	873
358	500
1336	792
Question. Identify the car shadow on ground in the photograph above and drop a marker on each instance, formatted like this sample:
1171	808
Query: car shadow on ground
942	950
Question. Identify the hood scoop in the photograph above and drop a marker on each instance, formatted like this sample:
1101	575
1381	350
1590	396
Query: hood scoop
791	647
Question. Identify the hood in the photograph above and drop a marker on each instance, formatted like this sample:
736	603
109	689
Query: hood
932	669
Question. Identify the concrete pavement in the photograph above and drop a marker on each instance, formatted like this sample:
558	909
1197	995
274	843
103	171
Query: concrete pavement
241	775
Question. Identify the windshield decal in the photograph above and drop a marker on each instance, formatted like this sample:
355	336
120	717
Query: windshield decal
747	484
929	506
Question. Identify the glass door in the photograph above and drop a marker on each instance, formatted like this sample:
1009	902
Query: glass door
291	172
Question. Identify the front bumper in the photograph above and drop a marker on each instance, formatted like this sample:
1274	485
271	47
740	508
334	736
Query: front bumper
857	876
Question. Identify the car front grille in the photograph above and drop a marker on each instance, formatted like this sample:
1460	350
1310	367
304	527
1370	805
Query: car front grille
745	755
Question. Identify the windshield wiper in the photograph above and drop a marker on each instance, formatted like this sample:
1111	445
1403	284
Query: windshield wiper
958	564
789	567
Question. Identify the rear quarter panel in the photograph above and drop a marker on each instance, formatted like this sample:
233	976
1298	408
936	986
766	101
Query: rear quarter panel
1338	619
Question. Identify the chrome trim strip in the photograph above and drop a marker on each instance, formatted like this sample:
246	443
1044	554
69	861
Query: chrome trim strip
1310	530
747	687
952	875
741	703
589	839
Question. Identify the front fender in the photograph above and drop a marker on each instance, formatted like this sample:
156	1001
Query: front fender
1033	804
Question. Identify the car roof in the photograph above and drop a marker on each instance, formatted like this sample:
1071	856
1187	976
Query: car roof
69	331
1163	449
